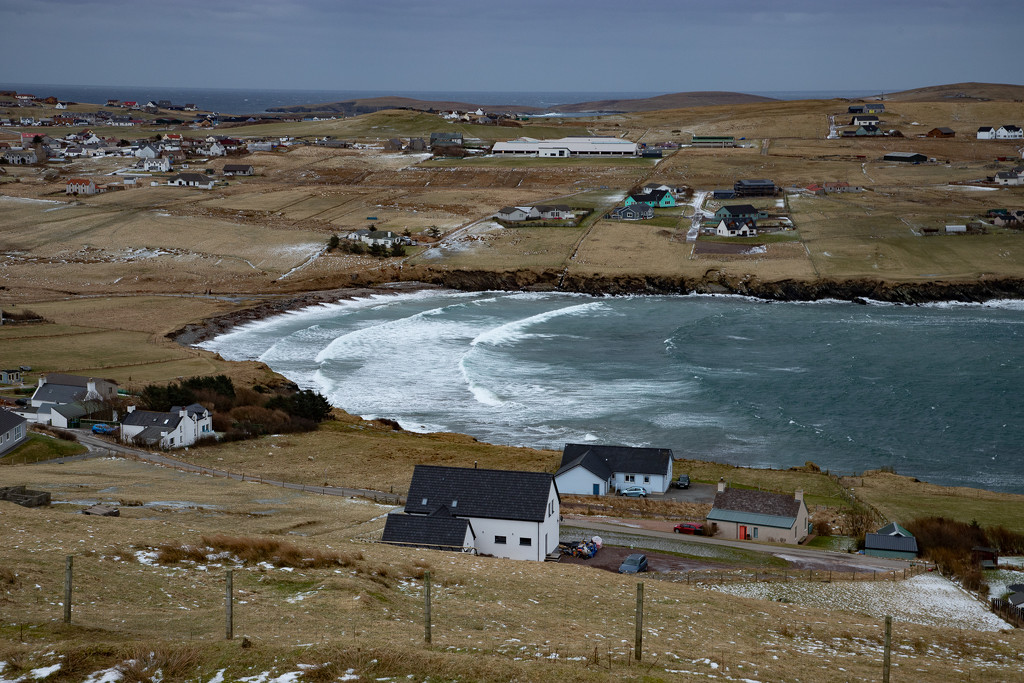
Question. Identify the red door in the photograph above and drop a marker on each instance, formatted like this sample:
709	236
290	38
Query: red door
743	533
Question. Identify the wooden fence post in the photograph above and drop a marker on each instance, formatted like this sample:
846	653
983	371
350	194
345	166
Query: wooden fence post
638	646
888	643
426	607
229	616
68	563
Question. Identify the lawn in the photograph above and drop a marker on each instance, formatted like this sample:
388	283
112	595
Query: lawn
41	447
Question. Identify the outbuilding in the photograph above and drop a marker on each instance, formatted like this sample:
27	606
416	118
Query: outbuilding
905	157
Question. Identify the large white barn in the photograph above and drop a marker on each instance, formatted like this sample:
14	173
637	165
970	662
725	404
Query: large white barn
567	147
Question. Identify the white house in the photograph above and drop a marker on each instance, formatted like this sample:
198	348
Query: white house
588	469
174	429
1014	177
746	514
81	186
60	399
737	228
13	431
384	238
1009	132
514	214
157	165
191	180
986	133
510	514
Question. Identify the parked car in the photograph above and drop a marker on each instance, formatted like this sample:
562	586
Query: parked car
683	482
633	492
689	528
103	429
633	564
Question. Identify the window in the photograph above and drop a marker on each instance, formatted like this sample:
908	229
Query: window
647	479
499	540
424	502
455	504
525	541
630	478
755	532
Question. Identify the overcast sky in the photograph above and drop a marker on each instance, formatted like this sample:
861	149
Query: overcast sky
517	45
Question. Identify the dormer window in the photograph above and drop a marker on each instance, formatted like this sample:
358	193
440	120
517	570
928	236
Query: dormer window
424	502
455	504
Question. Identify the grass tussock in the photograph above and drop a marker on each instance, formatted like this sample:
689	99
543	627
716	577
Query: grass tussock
150	664
254	550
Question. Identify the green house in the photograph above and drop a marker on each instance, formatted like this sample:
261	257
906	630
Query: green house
658	199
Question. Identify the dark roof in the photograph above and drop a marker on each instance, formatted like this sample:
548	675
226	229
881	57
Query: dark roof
984	129
866	117
1010	127
9	420
1016	588
739	209
1017	599
149	418
58	393
192	178
471	492
757	502
755	182
894	529
590	462
887	542
551	207
620	458
440	530
943	130
237	167
905	156
652	197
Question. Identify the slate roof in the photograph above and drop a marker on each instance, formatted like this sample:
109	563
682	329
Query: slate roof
439	530
651	198
985	129
755	182
894	529
150	435
471	492
590	462
193	410
58	393
619	458
149	418
236	168
772	509
191	178
886	542
1017	599
9	420
740	210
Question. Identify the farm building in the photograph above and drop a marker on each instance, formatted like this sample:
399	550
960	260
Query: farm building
891	540
941	132
754	188
713	141
905	157
565	147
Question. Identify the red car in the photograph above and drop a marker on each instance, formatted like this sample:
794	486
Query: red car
689	528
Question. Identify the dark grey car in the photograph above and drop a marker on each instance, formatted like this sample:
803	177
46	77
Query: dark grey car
633	564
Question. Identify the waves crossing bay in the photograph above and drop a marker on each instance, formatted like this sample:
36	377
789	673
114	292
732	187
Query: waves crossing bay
931	391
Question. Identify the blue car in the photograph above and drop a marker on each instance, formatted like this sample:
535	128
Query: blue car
103	429
633	492
633	564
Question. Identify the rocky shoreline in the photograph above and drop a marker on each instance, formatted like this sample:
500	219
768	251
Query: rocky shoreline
857	291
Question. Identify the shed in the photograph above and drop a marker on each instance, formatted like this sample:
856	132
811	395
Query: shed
905	157
941	132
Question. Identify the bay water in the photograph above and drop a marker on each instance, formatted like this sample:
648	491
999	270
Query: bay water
930	391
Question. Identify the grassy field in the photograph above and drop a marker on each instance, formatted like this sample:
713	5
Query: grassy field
902	499
362	609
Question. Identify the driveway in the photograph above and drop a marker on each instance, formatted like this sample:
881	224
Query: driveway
697	493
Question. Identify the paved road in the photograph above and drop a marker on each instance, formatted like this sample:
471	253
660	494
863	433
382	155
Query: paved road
99	446
801	554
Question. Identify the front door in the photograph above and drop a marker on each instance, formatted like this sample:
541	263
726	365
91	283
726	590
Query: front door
743	533
597	489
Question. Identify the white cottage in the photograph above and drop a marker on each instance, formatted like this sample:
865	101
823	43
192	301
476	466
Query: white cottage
179	427
589	469
746	514
508	514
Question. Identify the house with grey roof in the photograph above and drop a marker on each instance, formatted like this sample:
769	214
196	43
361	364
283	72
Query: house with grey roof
13	431
174	429
631	212
591	469
509	513
891	540
754	187
191	180
59	400
746	514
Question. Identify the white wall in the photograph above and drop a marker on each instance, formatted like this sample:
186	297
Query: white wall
580	481
543	535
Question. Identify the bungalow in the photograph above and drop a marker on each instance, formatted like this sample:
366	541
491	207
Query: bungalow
631	212
81	186
713	141
891	540
656	199
554	212
1009	132
1013	177
986	133
238	169
598	470
445	139
509	514
746	514
864	120
385	238
191	180
179	427
515	214
13	431
754	188
746	227
736	211
940	132
870	131
869	108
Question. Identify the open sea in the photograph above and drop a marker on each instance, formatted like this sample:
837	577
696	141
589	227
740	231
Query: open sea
238	101
931	391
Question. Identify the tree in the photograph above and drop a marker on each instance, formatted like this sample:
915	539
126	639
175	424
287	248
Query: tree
398	249
306	404
378	250
333	243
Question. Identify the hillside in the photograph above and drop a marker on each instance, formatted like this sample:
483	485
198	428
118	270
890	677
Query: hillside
960	91
679	100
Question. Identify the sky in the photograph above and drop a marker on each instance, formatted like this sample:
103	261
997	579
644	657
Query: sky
521	45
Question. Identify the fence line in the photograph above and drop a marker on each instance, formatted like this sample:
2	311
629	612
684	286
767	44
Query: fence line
784	575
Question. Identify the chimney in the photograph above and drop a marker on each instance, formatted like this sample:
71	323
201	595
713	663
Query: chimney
42	380
799	495
131	409
721	484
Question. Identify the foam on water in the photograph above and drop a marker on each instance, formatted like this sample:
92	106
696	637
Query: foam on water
510	333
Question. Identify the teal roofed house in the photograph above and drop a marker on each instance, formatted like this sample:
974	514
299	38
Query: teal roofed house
891	540
746	514
658	199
